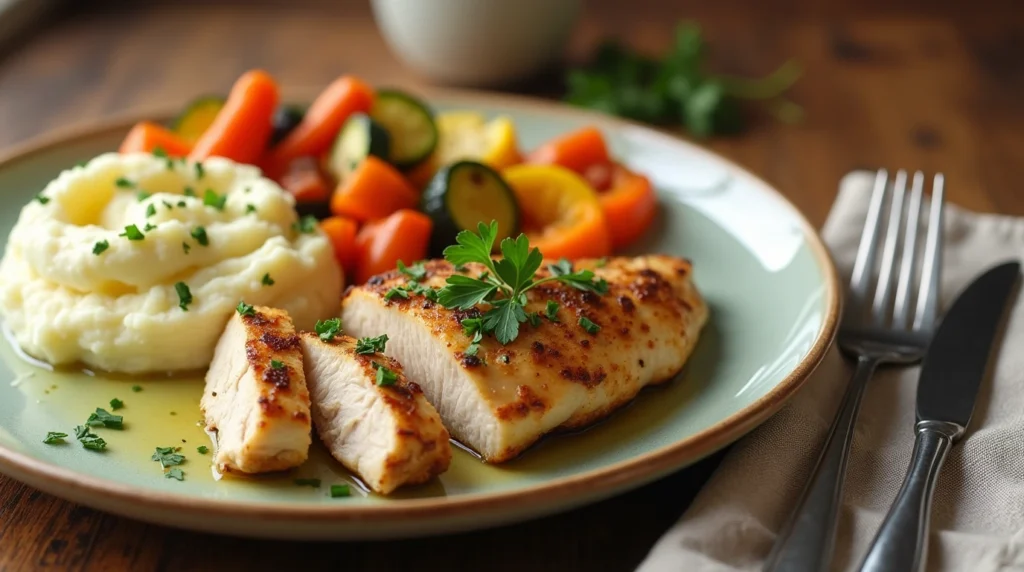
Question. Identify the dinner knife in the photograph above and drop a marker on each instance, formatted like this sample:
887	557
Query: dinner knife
952	371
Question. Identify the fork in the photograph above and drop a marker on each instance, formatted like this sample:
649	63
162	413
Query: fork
876	329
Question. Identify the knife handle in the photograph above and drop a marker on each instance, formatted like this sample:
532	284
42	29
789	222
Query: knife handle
805	543
901	543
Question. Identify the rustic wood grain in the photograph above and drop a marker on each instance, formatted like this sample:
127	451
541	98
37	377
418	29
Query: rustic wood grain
914	84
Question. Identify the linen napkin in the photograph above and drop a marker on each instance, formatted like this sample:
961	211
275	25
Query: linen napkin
977	521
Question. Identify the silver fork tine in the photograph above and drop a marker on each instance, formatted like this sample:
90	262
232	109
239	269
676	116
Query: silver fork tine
901	308
860	279
928	300
883	290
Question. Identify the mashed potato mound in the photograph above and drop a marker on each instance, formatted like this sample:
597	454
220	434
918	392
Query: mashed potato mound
75	288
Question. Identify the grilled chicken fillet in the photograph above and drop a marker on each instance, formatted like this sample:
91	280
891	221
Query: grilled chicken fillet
556	375
388	435
255	397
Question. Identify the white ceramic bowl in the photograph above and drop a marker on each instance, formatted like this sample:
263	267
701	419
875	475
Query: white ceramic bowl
476	42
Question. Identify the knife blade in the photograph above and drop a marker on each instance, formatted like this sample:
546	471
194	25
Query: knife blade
958	356
956	362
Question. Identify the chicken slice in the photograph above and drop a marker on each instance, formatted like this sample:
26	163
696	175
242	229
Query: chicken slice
388	435
556	375
256	398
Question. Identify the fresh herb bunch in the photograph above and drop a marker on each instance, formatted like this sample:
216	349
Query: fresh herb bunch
505	283
677	88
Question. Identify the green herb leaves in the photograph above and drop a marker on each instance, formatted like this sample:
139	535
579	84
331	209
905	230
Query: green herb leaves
169	459
199	233
184	295
42	199
328	329
384	375
339	491
275	364
244	309
267	280
305	225
202	449
88	439
54	438
505	283
212	199
103	418
368	346
116	404
676	88
100	247
132	232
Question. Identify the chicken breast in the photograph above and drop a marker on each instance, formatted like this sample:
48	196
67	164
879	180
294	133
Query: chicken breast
388	435
255	397
557	375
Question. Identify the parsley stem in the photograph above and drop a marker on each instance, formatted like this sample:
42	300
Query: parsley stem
769	87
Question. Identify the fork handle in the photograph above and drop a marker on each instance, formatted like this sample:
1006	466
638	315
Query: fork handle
805	544
901	543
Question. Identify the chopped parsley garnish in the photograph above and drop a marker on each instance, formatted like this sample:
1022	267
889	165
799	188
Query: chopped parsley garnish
200	172
142	195
159	152
247	190
327	329
189	192
176	474
168	205
212	199
506	281
167	456
384	375
103	418
425	291
186	247
397	291
81	163
150	210
132	232
274	364
136	388
184	295
305	225
472	349
244	309
124	183
199	233
202	449
250	208
551	311
416	272
589	326
534	319
100	247
88	439
42	200
149	227
267	280
54	438
339	491
367	346
182	203
315	483
601	262
116	404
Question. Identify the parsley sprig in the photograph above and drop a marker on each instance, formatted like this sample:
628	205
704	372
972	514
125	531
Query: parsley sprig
505	283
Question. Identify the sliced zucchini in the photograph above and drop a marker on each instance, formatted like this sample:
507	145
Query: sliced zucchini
358	138
197	117
409	122
285	119
466	193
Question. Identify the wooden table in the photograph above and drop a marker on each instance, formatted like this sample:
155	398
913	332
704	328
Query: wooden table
915	84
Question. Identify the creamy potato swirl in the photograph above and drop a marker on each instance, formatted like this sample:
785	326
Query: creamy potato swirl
75	288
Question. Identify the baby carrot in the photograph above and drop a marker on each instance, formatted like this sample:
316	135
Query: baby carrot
374	190
242	127
146	137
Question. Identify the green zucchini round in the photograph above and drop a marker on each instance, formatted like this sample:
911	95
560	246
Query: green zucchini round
359	138
197	116
463	194
409	122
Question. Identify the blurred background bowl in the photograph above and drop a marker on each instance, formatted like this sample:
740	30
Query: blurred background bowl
476	43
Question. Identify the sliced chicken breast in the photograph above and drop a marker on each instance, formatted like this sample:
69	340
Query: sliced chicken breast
555	375
388	435
255	397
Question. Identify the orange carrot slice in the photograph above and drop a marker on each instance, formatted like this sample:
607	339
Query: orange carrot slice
146	137
629	206
242	128
374	190
305	181
402	236
342	233
578	150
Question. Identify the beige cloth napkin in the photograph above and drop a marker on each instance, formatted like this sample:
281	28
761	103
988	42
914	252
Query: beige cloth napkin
978	511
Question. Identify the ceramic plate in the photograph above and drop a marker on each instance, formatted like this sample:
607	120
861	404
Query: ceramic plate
768	280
